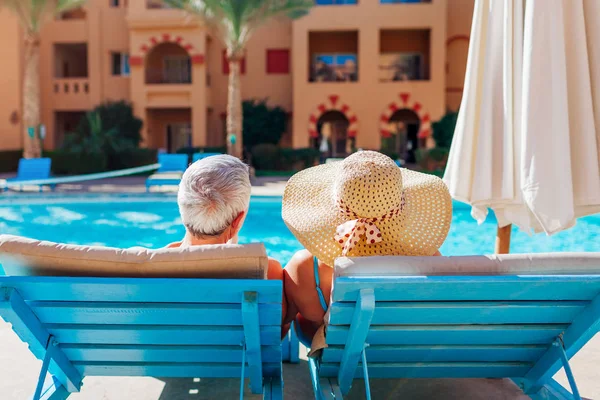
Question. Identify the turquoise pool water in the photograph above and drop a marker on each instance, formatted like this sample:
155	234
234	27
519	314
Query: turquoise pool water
153	221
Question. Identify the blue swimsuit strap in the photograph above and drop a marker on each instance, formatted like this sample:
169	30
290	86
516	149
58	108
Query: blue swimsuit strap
318	284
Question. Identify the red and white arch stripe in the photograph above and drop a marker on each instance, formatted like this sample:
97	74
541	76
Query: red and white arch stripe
332	104
146	47
405	102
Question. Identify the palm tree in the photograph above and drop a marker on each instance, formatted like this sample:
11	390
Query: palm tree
234	22
32	15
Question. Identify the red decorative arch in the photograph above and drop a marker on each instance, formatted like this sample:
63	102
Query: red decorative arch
332	104
406	102
195	55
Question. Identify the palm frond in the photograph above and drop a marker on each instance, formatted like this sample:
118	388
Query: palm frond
66	5
33	13
236	20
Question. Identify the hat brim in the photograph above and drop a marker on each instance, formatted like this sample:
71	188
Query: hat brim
310	211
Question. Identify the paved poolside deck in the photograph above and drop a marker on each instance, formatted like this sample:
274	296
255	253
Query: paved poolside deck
19	369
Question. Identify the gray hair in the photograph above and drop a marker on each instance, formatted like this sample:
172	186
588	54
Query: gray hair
212	193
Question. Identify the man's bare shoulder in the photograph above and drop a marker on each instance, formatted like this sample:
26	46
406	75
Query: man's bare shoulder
274	263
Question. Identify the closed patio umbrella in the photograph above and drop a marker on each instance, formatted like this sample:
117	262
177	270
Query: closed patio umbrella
527	139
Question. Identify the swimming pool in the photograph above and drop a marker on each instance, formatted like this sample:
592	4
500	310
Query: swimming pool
153	221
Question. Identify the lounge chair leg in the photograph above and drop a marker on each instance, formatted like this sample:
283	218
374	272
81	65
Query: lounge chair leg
291	346
552	390
285	348
54	390
273	388
324	388
42	378
277	388
357	335
366	373
243	377
565	360
29	329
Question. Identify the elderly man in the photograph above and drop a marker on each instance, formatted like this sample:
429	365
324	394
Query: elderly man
213	199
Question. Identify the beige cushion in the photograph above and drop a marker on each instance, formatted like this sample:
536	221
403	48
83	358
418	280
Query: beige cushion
506	264
166	175
23	256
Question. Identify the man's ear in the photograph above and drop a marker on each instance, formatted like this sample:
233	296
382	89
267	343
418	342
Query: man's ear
236	224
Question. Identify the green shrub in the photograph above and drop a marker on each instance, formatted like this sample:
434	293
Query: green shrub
439	153
266	156
421	156
443	130
297	159
261	123
431	160
9	160
388	147
73	163
118	116
269	173
111	132
131	158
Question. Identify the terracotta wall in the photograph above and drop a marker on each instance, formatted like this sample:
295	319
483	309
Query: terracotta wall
10	83
365	101
460	14
439	30
143	41
256	82
91	30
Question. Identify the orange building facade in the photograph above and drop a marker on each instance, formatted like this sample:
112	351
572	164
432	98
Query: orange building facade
351	71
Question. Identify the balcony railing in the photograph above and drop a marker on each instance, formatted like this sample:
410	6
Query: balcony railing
168	76
71	86
71	94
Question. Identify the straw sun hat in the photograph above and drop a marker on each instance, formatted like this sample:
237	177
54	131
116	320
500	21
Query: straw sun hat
364	206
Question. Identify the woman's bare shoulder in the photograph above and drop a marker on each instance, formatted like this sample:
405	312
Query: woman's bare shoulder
301	257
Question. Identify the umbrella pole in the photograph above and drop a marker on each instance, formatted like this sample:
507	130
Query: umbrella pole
503	240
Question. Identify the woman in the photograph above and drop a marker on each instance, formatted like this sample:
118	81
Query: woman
362	206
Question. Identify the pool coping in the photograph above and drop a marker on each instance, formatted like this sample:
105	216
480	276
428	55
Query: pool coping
86	197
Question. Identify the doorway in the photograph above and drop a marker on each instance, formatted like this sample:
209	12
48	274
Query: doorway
332	126
404	127
179	135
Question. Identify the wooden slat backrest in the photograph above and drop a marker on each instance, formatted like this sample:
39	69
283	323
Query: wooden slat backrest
460	326
152	326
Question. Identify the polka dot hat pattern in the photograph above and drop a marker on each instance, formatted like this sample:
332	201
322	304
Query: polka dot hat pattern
416	208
